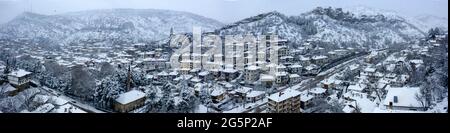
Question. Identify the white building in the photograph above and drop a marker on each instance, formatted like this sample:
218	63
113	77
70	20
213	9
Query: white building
403	98
19	78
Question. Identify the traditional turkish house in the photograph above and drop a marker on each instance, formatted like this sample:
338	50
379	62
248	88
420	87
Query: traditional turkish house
254	96
318	92
129	101
20	79
403	98
218	94
241	93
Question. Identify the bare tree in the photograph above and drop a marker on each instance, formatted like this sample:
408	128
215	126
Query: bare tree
357	108
422	100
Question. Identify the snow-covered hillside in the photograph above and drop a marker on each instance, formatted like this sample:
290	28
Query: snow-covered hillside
113	25
333	26
430	21
357	27
423	22
272	22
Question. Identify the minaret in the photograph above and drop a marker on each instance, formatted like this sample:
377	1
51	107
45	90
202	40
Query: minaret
129	78
171	37
171	32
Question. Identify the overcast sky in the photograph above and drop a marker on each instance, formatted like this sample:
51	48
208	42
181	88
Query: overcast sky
223	10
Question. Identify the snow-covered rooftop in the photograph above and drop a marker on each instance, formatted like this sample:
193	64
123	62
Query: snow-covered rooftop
302	58
286	94
319	57
130	96
364	104
183	77
255	93
229	70
329	81
294	76
196	79
252	67
370	70
243	90
353	67
416	61
173	73
217	91
348	109
311	67
406	96
281	66
357	87
148	76
7	88
58	101
163	73
317	90
265	77
19	73
281	73
39	98
203	73
306	97
44	108
68	108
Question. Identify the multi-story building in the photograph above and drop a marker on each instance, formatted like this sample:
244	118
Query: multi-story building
287	101
237	54
19	79
251	74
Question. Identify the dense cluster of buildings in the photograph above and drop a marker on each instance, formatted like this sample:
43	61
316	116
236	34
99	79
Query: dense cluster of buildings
244	76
